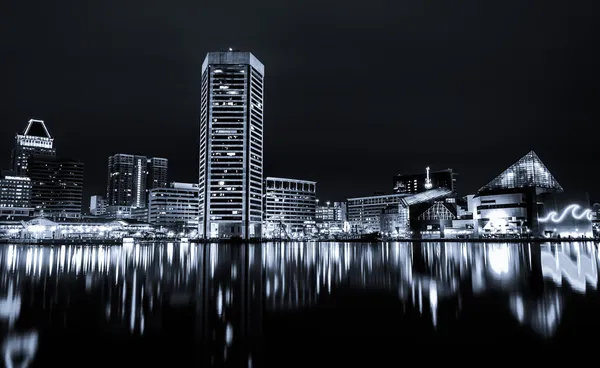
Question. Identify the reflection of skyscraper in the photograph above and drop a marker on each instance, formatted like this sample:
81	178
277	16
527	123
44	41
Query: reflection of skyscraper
231	145
154	290
233	321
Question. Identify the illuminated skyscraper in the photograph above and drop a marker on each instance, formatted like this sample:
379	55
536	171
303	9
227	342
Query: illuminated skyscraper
231	145
35	140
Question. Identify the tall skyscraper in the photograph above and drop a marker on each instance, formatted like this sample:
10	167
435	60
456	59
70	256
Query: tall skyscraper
231	145
35	140
130	177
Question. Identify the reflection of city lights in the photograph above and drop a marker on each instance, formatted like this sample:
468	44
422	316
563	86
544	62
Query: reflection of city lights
498	259
553	216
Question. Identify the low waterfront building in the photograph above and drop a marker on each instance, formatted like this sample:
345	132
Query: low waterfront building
388	214
526	200
69	228
176	208
332	218
290	207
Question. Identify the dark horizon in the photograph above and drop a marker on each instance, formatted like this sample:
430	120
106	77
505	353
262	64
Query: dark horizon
473	87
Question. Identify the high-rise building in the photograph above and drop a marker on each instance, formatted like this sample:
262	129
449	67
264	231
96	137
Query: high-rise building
130	177
35	140
15	196
175	207
57	186
289	207
157	169
231	145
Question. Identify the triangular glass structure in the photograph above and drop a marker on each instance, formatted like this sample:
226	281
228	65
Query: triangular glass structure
528	172
437	212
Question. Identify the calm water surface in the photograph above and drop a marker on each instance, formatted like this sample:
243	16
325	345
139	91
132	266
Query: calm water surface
171	304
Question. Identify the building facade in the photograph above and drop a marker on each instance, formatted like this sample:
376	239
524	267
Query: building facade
417	183
57	186
130	177
231	146
15	196
511	203
290	207
98	205
157	173
35	140
176	208
364	213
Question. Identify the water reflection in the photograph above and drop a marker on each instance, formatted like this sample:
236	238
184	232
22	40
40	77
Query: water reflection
213	297
196	293
424	275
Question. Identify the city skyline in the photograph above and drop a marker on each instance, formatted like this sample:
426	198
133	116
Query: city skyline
453	77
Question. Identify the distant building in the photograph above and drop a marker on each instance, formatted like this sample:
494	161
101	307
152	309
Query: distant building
176	207
231	145
364	213
35	140
15	196
57	186
98	205
289	207
332	217
417	183
157	173
130	177
415	215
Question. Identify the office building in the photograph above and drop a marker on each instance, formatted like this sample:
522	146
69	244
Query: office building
57	186
290	207
175	207
417	183
15	196
130	177
364	213
157	169
35	140
231	146
98	205
331	218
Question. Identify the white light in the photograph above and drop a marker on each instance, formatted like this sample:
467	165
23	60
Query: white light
553	216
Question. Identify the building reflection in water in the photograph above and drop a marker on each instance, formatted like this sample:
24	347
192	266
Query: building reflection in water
139	290
423	275
133	289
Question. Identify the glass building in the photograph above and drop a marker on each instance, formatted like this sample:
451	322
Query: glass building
231	146
528	172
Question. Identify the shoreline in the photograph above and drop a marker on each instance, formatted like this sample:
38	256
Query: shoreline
233	242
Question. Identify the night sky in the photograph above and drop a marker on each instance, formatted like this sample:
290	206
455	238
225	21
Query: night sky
355	91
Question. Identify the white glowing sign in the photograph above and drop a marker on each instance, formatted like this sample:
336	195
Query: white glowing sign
572	210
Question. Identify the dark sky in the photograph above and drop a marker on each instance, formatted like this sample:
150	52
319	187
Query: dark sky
356	91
